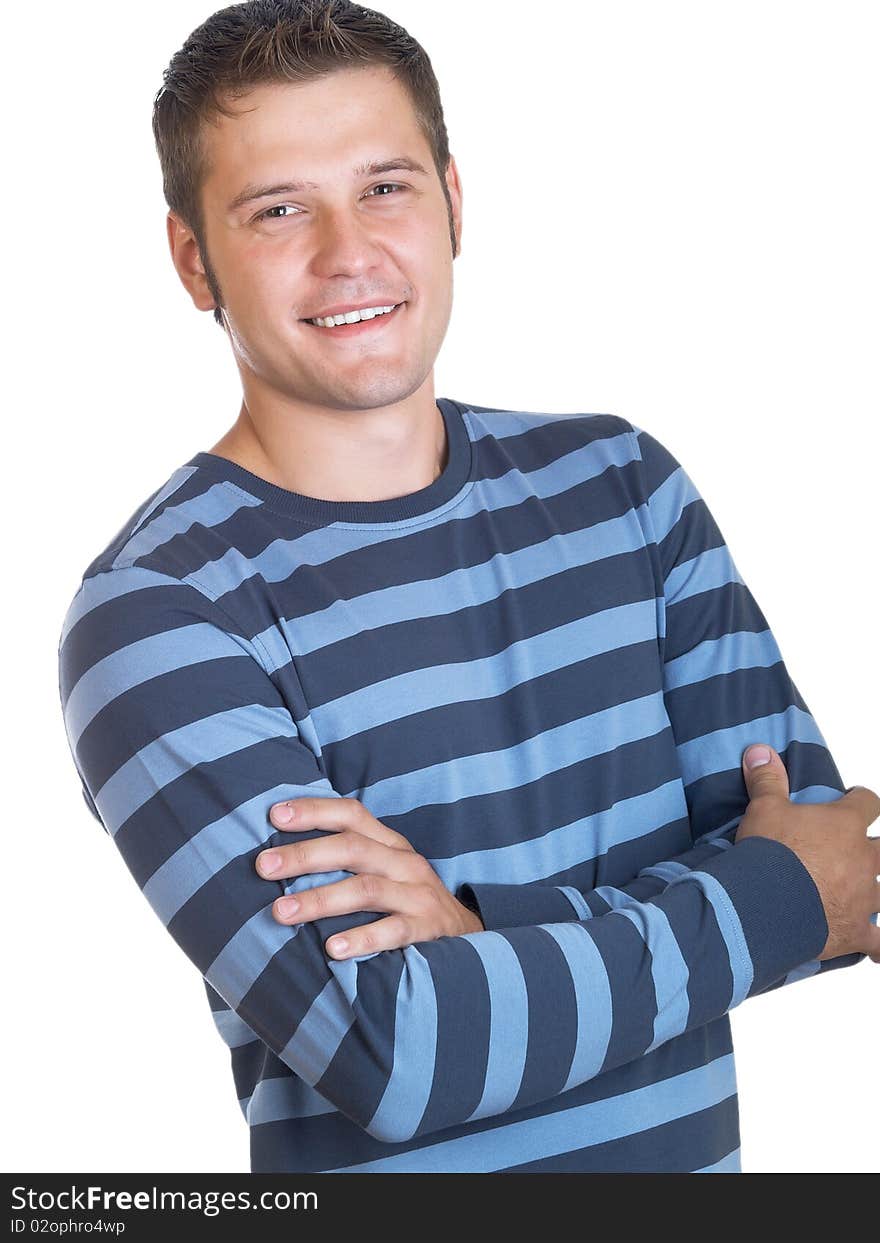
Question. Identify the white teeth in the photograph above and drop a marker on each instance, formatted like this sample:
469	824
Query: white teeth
352	317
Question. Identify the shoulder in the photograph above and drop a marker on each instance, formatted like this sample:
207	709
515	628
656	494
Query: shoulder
128	609
165	542
128	542
502	423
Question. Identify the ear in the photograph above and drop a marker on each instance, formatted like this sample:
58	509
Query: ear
188	262
453	185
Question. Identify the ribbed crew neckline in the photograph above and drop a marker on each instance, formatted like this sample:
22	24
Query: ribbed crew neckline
312	509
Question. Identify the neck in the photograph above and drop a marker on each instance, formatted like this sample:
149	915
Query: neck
341	455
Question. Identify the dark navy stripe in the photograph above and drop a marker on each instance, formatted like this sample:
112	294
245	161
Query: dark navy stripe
459	1027
675	1147
558	798
553	1017
571	592
465	729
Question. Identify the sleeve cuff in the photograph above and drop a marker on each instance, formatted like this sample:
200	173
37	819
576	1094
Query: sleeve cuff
778	908
517	906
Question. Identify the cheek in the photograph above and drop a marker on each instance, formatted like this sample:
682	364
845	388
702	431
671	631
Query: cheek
269	301
426	264
266	270
272	278
438	278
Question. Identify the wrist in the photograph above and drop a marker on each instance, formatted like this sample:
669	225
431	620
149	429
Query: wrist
471	915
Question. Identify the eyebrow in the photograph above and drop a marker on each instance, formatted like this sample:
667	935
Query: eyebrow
371	168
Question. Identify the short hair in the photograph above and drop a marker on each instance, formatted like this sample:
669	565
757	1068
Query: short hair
277	41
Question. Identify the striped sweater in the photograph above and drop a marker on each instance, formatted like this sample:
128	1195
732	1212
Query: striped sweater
542	669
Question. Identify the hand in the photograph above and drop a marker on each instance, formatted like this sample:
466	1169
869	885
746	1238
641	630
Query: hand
390	877
831	841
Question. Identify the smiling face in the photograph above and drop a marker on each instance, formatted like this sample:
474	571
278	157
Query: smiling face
343	233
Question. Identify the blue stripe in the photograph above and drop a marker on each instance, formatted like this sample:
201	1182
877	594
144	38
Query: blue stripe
233	1029
816	794
706	572
727	1165
245	828
245	956
805	970
666	871
210	508
502	424
741	649
521	863
421	690
669	970
616	898
211	738
554	749
668	502
592	991
107	586
415	1041
138	662
509	1024
278	1100
712	753
174	484
447	593
731	930
313	1045
582	1127
576	898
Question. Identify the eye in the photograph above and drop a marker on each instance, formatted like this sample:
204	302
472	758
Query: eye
264	215
393	184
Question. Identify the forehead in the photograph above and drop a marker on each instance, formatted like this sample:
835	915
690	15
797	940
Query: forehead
314	130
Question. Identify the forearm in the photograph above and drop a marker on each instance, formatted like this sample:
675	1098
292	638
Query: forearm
415	1040
500	905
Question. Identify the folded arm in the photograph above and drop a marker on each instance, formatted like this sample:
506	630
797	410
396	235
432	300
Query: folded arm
725	686
183	744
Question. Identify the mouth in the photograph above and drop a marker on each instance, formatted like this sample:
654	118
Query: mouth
363	327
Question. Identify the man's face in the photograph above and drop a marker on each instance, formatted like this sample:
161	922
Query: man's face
373	238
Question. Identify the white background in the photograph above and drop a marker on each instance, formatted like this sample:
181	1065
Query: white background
670	214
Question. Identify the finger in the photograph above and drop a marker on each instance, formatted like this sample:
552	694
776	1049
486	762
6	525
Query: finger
767	779
864	801
335	813
346	897
385	934
343	851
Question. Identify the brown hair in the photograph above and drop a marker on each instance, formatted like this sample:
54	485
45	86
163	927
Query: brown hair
268	41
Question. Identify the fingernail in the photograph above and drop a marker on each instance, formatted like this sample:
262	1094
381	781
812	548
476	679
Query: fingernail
287	907
282	814
755	756
270	862
338	945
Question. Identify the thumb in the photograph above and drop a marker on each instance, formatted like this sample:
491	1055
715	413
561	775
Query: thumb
764	772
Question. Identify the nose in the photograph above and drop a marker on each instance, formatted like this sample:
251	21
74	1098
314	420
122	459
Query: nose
344	245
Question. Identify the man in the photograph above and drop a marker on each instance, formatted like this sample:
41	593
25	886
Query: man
500	666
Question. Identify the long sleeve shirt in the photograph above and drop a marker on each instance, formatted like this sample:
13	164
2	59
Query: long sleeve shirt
542	669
